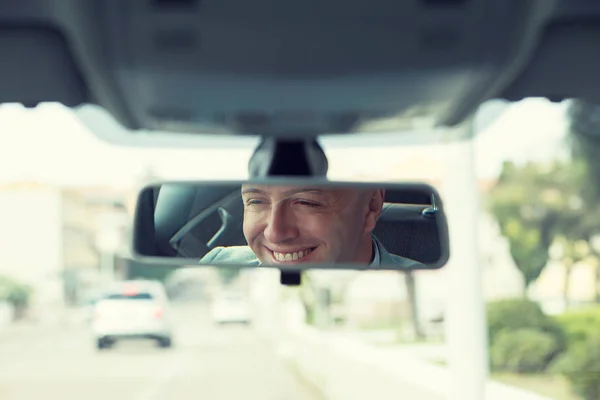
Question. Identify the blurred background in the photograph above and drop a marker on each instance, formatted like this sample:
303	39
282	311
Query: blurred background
66	203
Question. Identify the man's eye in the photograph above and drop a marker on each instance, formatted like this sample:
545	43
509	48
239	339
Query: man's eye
254	202
308	203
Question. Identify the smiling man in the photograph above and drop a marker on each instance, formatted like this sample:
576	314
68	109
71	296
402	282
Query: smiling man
287	225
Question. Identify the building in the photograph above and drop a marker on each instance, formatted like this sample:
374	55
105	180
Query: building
95	231
49	237
31	238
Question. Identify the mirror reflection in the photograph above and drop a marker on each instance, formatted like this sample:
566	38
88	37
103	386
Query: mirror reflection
291	225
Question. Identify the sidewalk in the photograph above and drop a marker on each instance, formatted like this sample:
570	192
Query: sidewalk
345	368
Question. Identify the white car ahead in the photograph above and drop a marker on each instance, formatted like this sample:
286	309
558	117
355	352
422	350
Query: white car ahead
132	310
231	307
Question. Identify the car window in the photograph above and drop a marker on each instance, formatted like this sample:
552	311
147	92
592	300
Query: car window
126	296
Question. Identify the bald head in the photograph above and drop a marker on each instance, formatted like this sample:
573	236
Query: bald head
287	224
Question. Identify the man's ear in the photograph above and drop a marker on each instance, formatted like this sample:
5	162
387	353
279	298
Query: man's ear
376	201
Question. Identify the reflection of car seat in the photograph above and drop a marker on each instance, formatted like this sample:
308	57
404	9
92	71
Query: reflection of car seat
176	206
404	231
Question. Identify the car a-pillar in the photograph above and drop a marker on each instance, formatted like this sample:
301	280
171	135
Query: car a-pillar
281	157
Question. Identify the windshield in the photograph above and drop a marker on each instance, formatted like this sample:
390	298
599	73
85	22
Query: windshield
518	303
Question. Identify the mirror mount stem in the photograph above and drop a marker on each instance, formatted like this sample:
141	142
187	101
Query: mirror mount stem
288	157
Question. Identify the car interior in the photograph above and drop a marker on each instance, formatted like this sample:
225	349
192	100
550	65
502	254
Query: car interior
281	69
290	72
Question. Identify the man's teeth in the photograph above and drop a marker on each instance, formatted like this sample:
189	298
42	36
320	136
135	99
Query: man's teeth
291	256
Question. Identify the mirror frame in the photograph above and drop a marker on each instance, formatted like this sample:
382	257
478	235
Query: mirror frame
437	203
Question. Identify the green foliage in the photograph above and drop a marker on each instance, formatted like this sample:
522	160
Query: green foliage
526	350
527	249
581	366
534	203
515	314
580	325
523	219
536	206
16	293
584	124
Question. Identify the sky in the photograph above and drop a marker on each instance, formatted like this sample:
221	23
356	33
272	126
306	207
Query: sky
51	144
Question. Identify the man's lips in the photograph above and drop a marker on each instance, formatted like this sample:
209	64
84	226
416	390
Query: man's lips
290	256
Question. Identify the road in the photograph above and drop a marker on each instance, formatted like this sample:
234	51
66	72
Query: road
60	362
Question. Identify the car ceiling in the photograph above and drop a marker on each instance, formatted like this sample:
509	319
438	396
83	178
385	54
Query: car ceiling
295	68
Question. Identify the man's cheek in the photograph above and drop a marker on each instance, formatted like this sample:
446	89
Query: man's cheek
316	225
253	225
247	228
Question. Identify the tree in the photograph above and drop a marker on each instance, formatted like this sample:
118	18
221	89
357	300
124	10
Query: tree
527	248
527	202
572	252
15	293
536	204
584	124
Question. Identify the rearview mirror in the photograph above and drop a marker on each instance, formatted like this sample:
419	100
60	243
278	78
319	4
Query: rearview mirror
292	223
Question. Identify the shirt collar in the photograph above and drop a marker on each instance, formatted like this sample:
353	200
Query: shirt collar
377	258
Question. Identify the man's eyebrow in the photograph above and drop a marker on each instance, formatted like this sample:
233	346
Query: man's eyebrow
252	190
287	193
303	190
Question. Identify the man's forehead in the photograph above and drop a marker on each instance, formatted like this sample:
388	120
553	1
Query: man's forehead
285	190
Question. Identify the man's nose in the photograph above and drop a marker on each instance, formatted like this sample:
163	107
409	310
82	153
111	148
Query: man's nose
281	225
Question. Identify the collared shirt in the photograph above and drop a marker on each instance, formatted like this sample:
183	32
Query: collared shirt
377	259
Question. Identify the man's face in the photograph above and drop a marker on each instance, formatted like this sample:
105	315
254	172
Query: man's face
290	224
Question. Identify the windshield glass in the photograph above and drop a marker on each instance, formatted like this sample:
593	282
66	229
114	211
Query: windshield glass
524	272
